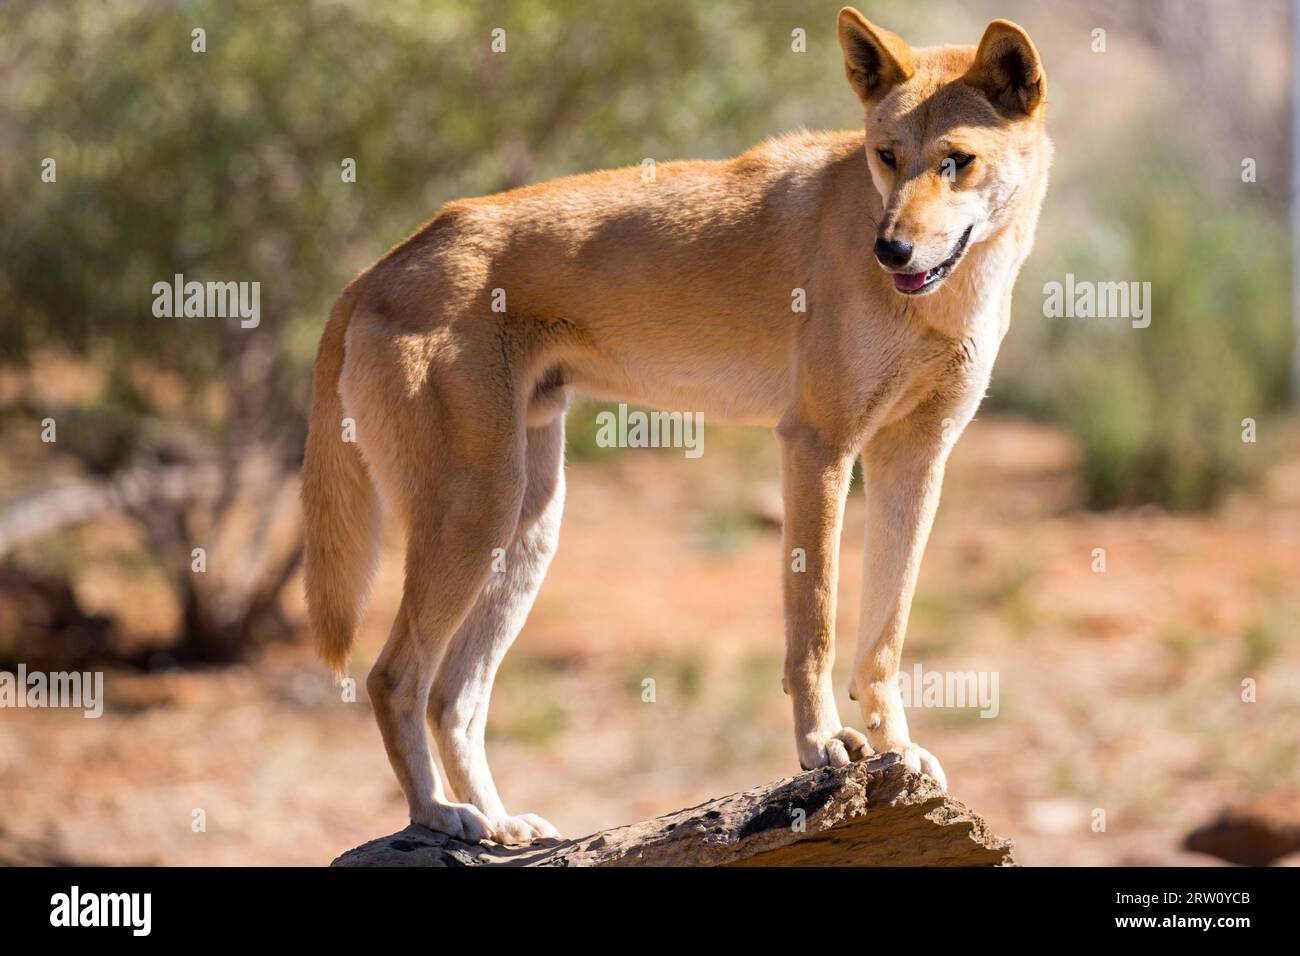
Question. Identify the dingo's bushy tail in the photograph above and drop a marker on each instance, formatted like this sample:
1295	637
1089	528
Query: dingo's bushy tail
340	505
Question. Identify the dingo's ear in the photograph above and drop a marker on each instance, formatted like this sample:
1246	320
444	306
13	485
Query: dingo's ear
875	60
1007	69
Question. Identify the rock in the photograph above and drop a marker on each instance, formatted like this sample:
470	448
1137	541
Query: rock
875	812
1256	833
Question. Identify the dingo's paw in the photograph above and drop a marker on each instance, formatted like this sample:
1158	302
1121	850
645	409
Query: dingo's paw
459	820
838	750
524	828
922	761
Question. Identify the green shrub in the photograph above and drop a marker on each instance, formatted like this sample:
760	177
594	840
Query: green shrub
1158	411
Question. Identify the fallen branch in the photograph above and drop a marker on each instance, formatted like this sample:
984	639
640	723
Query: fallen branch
53	509
873	813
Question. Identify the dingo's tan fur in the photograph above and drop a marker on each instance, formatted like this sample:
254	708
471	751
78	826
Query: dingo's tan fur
676	292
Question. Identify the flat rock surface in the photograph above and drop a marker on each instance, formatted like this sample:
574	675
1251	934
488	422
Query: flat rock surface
876	812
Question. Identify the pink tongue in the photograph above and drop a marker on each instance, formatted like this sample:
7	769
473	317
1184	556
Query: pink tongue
909	283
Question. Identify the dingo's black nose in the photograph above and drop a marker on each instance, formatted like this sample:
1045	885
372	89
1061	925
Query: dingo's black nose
893	253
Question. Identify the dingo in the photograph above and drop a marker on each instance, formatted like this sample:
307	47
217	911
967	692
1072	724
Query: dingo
676	293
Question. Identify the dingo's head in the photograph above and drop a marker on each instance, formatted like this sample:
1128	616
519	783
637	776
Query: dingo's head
953	134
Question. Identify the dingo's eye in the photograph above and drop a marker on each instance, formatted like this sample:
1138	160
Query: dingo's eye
961	160
886	157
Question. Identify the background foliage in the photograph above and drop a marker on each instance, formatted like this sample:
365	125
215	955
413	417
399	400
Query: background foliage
225	165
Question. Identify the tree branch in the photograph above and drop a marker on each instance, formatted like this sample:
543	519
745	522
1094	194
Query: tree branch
875	812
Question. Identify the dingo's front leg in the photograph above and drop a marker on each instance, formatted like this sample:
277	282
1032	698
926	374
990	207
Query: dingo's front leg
903	470
815	477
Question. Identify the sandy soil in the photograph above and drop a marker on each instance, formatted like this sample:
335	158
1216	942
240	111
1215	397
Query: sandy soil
1120	693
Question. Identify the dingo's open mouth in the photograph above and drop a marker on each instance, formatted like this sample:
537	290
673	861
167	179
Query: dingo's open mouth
916	283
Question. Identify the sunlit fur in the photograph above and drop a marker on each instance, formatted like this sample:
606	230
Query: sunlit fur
676	292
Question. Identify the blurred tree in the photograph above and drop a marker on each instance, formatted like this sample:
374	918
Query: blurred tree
228	165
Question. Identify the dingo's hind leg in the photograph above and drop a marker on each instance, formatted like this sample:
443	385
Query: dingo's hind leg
446	445
458	706
394	682
449	558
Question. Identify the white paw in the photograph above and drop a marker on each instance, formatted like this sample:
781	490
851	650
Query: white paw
922	761
459	820
836	750
524	828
